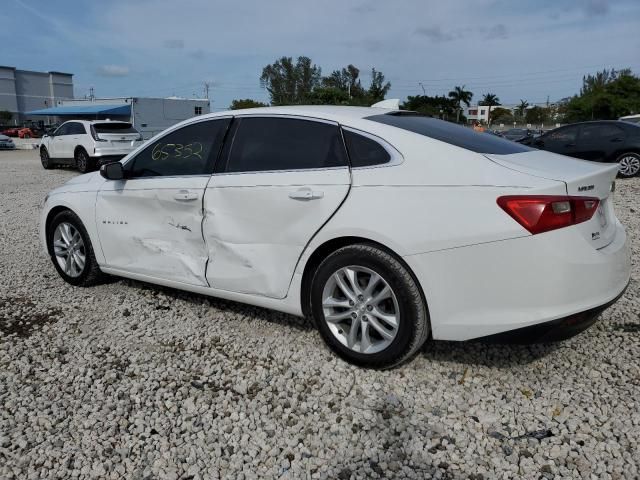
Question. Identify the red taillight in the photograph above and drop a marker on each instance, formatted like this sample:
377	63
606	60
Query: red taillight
541	213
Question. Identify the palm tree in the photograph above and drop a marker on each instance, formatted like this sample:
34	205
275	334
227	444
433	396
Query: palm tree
490	100
460	95
522	107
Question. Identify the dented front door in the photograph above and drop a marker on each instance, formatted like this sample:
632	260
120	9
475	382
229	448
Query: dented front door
152	226
151	223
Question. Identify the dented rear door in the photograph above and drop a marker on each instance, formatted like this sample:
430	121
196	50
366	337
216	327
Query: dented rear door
151	222
276	186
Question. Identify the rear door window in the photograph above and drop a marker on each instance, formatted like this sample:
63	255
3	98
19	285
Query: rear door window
363	151
190	150
267	144
450	133
76	128
598	132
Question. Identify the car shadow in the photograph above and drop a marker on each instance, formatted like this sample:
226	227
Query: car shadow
230	306
493	355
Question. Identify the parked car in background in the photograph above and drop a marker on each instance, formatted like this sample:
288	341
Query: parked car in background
607	141
631	119
329	212
86	144
6	143
517	134
11	132
27	132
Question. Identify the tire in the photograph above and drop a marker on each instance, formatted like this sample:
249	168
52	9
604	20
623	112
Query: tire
388	343
66	228
45	159
84	163
629	164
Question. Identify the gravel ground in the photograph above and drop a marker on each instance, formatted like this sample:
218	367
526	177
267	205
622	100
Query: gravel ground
129	380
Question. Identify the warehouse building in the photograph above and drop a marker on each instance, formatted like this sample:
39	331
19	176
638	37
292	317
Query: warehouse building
22	91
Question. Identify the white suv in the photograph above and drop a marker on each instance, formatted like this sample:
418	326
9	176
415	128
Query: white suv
86	144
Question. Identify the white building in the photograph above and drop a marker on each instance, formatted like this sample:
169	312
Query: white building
149	115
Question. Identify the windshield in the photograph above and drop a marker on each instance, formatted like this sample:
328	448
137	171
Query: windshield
114	127
450	133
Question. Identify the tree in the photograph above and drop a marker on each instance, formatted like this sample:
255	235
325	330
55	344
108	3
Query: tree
502	115
5	116
537	115
289	83
606	95
378	89
246	103
460	96
329	96
520	109
346	80
438	106
490	100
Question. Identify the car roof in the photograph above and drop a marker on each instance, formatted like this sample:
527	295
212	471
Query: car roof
91	122
326	112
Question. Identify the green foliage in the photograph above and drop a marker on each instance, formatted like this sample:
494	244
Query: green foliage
607	95
490	100
5	115
537	115
438	106
290	83
502	115
522	108
460	96
246	103
302	83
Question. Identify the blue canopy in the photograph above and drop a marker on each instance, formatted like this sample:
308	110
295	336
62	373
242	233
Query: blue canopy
91	109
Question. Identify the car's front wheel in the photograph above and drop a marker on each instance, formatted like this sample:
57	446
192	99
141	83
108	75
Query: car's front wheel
84	163
368	307
71	250
629	165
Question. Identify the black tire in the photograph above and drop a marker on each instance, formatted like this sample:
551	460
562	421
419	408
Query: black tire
90	274
45	159
84	163
632	164
413	325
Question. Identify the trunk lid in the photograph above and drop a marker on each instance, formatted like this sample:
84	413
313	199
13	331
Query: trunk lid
581	178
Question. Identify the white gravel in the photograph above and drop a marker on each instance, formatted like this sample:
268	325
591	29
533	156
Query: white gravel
128	380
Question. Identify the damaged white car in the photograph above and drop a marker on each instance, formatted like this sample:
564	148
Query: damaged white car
385	226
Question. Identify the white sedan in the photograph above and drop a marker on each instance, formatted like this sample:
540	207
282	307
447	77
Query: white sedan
385	226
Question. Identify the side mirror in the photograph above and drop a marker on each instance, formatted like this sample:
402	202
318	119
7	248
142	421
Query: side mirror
112	171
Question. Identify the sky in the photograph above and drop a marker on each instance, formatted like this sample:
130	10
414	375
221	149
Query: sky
516	49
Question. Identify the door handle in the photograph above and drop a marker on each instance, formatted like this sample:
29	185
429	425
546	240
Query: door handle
185	196
305	194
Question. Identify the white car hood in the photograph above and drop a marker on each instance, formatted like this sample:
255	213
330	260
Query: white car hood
89	182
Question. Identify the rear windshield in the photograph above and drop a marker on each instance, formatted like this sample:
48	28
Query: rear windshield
114	128
451	133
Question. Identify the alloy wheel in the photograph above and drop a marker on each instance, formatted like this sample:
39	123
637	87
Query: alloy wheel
360	309
69	249
81	162
629	165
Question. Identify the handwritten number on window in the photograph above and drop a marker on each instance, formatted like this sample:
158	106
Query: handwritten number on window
176	150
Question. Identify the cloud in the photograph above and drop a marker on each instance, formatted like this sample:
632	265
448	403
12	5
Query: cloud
594	8
497	32
363	9
197	54
435	34
113	71
176	43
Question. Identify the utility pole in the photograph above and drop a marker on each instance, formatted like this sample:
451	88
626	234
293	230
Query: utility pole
206	90
91	95
424	93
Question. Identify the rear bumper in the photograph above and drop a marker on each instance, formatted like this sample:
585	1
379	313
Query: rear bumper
120	151
492	288
553	331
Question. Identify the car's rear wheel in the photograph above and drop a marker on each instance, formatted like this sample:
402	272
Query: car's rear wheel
368	307
44	159
84	163
629	164
71	250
